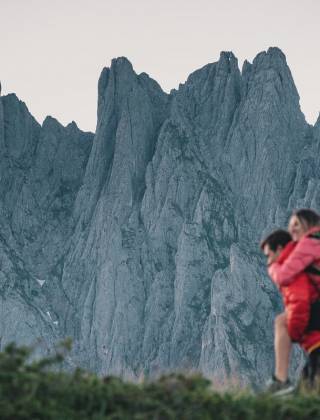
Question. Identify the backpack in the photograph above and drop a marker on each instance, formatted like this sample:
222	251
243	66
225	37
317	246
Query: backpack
314	320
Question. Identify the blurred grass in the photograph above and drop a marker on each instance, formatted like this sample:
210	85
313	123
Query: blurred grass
35	390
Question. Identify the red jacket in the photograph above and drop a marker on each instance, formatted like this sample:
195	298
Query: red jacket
297	298
305	254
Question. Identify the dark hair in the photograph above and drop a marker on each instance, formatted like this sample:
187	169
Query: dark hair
277	238
308	216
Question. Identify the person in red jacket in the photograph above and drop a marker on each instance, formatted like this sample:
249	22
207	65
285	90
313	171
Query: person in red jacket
304	227
297	298
302	291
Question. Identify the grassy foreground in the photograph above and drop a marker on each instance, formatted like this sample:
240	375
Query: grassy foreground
32	390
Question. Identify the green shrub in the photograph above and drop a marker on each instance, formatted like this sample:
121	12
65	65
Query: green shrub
37	390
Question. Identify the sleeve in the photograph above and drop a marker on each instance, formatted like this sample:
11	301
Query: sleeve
304	254
298	307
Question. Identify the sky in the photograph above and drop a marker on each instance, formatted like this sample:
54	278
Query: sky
53	51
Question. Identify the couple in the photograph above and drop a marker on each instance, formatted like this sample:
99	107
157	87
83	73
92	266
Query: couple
293	260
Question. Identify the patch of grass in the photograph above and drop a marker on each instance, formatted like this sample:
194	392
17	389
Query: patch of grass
35	390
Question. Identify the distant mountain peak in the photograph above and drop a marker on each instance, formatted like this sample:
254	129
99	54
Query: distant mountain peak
121	63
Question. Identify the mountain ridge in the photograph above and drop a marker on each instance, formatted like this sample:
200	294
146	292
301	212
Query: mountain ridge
140	241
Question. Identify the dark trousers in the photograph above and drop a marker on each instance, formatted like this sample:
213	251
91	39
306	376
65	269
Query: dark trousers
311	371
314	320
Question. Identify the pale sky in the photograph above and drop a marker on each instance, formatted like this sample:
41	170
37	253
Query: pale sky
52	51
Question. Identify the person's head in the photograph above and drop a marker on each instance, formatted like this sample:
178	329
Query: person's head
301	221
274	243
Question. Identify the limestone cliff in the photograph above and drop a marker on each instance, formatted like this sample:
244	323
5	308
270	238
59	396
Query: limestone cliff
141	242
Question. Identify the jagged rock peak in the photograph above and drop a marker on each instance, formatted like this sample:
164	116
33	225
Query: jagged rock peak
50	122
228	59
72	126
120	68
119	81
276	52
246	66
226	64
121	64
14	103
115	83
12	97
271	67
274	56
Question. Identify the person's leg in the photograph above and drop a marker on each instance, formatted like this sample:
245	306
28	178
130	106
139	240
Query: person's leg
282	347
314	367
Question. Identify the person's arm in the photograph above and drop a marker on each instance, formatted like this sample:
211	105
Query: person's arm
305	253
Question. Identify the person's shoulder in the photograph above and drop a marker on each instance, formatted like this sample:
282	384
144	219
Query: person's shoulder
310	239
286	251
313	233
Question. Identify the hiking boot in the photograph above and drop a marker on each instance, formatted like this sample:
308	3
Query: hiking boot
279	388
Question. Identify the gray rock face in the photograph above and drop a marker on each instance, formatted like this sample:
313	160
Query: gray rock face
41	172
142	242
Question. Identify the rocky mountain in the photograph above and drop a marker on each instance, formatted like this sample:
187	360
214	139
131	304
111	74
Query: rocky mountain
141	241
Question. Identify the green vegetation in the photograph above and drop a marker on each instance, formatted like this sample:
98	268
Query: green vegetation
38	390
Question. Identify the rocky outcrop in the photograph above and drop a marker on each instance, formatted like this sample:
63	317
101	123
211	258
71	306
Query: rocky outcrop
142	242
41	172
